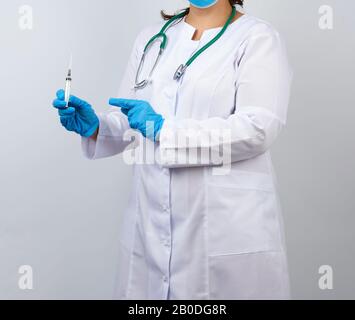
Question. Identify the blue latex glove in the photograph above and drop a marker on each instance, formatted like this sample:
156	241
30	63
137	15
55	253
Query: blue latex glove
141	116
79	117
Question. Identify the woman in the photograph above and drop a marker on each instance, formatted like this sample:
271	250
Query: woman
191	231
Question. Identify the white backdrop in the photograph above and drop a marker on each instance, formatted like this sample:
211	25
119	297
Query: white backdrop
59	213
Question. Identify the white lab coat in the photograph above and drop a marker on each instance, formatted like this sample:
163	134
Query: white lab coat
189	233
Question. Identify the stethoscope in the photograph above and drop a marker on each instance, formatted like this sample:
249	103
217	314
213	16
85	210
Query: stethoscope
164	40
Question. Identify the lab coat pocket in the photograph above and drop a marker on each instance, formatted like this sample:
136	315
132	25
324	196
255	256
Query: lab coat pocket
242	215
252	276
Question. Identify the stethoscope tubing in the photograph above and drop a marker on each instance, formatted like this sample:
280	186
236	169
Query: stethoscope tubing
162	35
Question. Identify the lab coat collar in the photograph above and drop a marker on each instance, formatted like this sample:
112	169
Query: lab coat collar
189	31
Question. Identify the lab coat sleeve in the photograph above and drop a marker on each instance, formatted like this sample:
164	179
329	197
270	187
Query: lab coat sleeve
113	123
261	103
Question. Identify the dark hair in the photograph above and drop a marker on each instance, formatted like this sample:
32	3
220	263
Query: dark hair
169	16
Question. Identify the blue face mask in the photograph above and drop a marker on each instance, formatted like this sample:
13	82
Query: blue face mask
203	3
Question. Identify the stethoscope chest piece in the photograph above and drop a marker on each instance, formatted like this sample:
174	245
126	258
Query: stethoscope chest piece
180	72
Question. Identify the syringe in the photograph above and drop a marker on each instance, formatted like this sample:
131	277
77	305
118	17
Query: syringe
68	81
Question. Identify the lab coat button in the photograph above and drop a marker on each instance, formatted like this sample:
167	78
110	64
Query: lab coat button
165	279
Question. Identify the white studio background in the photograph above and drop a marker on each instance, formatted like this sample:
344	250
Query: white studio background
59	213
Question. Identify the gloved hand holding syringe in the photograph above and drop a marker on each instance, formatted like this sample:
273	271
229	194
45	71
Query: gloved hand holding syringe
78	116
75	114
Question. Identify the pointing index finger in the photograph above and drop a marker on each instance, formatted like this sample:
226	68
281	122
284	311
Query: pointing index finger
123	103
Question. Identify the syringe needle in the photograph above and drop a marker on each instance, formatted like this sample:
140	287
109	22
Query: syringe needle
71	62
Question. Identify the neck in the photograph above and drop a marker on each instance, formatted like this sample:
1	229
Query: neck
212	17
